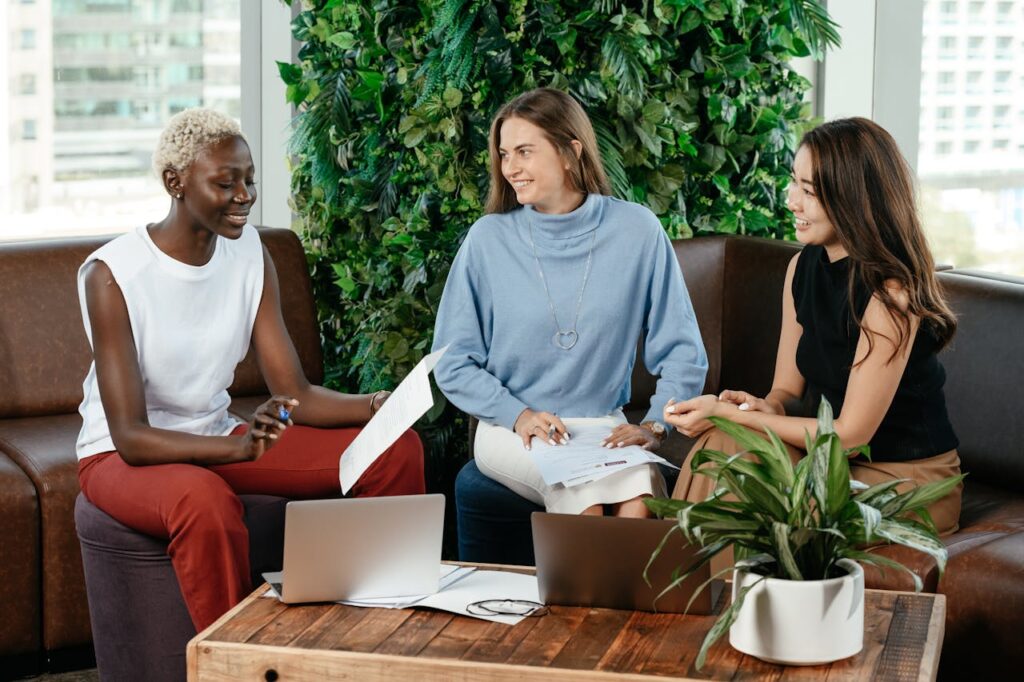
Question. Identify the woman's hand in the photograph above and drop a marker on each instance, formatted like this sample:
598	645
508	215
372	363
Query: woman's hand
746	402
631	434
377	401
543	425
267	424
690	417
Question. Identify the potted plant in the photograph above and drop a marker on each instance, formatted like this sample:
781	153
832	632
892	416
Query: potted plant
797	533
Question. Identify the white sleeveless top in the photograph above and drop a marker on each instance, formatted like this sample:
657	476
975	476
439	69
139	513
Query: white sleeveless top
192	326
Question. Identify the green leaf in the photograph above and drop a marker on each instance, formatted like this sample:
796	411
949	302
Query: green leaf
291	74
723	623
342	39
452	97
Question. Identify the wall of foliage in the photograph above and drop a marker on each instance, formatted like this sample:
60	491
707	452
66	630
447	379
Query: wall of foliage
696	109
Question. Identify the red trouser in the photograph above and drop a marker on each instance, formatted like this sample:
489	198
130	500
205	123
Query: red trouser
197	509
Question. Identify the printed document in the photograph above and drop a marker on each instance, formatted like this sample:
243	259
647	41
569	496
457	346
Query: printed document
407	403
584	459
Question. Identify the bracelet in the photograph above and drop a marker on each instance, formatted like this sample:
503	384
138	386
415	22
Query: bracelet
373	399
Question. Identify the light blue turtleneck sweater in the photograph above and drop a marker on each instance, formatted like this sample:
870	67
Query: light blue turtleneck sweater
495	318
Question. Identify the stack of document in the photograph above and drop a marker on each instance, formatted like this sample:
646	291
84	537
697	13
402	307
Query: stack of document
460	586
584	459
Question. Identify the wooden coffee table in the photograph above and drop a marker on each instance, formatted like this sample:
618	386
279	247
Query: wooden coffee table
262	639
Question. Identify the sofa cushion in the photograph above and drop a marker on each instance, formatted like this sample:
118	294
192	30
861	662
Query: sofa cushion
44	353
20	629
44	448
983	388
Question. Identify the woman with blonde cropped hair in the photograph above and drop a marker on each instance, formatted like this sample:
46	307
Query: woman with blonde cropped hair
544	306
170	309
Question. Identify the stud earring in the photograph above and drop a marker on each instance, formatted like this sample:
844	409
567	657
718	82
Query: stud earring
177	196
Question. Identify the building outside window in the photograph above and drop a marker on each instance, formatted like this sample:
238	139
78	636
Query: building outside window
105	75
971	167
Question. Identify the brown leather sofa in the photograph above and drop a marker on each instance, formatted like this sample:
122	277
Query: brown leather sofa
44	357
736	286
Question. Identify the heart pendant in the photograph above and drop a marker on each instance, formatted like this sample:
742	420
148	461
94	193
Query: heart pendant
566	340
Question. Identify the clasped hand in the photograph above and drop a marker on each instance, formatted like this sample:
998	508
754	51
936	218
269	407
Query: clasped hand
267	424
550	429
690	417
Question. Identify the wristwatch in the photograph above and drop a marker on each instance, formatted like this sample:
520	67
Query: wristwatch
657	428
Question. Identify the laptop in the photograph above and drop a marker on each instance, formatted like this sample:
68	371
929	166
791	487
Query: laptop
361	548
599	561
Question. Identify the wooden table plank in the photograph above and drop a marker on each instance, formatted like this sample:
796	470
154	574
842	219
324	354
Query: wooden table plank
499	641
546	639
289	624
878	610
333	625
415	633
592	639
456	638
904	647
903	638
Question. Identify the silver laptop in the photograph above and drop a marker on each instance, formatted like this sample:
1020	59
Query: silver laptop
599	561
361	548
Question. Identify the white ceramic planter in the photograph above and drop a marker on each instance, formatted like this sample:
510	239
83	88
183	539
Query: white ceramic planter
801	622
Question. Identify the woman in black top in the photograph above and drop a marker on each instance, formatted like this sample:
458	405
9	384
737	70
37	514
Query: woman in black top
862	320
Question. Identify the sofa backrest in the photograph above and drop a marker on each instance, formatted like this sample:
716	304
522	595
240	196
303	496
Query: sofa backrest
44	354
735	284
984	380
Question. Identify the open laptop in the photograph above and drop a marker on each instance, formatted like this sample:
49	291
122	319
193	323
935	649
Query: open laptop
361	548
599	561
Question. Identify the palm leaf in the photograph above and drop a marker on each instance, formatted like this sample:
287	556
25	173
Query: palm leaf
815	26
724	622
611	157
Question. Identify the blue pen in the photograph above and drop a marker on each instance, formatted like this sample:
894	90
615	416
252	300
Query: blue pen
283	413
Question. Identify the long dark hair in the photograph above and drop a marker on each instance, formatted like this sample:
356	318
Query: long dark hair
866	188
563	120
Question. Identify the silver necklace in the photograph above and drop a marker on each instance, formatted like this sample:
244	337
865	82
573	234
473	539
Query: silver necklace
564	339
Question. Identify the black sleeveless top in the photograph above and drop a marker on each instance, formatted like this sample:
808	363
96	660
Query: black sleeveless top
916	426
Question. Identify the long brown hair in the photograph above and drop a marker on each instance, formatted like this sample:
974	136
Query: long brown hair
563	120
866	188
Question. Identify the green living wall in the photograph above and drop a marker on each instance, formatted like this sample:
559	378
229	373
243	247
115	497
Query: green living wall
696	109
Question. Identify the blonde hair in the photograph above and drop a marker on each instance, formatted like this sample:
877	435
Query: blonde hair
563	120
187	134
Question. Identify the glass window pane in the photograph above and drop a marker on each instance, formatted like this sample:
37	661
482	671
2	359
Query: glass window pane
92	82
971	151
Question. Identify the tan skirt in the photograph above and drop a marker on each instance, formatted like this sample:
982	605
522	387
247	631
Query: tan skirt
945	513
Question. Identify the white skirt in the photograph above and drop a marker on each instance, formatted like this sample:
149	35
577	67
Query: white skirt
500	456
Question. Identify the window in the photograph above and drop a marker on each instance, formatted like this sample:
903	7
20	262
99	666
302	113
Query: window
974	82
26	84
1002	81
970	165
947	85
975	47
120	69
1004	47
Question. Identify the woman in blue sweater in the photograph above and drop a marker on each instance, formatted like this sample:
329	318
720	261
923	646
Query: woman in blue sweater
545	303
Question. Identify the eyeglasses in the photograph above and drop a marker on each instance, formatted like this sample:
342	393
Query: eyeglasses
507	607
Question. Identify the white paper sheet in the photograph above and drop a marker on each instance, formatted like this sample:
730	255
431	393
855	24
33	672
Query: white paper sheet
460	587
407	403
483	585
584	459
